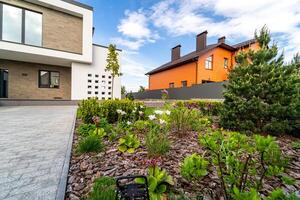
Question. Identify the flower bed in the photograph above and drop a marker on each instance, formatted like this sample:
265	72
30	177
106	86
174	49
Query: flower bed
176	126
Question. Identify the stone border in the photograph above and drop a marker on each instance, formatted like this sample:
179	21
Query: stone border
62	186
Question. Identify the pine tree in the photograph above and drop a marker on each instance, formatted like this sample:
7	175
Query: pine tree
113	64
263	94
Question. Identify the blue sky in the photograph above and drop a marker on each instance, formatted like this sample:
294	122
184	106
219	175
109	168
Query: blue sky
146	30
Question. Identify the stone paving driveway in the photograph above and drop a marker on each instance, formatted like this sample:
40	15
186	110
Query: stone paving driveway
34	151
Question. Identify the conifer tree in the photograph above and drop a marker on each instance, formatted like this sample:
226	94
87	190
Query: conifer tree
113	64
263	93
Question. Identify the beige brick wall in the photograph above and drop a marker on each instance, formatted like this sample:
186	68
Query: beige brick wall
23	81
61	31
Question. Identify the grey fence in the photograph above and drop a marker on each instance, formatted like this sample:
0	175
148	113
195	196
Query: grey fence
200	91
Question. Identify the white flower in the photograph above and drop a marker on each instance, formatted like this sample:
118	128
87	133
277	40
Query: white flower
161	121
167	112
158	112
123	113
152	117
129	123
141	106
119	111
141	112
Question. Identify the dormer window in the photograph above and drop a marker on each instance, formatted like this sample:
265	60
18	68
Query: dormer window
209	62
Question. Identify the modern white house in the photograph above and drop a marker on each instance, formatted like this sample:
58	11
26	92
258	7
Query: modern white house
47	52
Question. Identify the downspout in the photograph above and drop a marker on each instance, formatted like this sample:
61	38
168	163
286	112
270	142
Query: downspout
196	71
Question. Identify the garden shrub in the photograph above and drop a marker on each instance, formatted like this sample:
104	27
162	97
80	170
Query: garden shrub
131	110
104	188
207	107
263	93
158	181
194	167
201	124
88	109
128	143
296	145
182	119
243	162
141	126
86	129
90	143
157	141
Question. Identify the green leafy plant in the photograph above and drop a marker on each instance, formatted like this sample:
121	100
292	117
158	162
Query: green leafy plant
278	194
158	181
86	129
201	124
207	107
183	118
100	132
263	93
128	143
157	141
131	110
141	126
90	143
288	180
296	145
194	167
243	162
104	189
87	109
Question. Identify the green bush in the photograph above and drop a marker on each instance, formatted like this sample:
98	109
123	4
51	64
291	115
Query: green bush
104	188
88	109
86	129
158	180
201	124
128	143
157	141
90	143
132	110
263	94
243	162
194	167
141	126
296	145
182	119
207	107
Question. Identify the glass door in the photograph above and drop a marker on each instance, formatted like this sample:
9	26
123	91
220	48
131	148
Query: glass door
3	83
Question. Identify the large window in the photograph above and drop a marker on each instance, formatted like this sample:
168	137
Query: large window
48	79
209	62
12	24
225	63
20	25
184	83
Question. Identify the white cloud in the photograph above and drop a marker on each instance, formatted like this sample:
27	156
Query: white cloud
135	29
236	19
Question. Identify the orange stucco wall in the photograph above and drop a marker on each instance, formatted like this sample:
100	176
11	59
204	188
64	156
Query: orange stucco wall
185	72
218	72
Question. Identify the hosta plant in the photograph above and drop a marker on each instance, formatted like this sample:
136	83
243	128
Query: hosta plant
129	143
194	167
86	129
100	132
158	181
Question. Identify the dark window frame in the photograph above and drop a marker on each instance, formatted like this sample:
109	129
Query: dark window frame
173	85
49	79
22	25
186	83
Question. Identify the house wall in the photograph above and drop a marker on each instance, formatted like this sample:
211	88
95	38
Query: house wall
218	72
23	81
60	30
161	80
80	77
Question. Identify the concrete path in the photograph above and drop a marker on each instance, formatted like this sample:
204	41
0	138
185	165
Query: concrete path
35	144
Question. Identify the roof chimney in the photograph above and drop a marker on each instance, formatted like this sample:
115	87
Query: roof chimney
175	53
221	39
201	41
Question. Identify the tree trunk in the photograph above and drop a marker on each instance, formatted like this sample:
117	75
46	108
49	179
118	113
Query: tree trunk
112	87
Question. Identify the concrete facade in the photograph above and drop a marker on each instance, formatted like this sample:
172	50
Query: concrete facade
23	81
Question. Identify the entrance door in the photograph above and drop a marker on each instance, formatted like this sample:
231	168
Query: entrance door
3	83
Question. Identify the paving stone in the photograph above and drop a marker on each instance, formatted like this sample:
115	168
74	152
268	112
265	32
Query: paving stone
33	147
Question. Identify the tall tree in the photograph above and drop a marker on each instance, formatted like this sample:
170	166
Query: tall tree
142	89
113	64
263	93
123	90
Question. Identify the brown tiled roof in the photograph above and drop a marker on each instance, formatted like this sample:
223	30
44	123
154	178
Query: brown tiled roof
190	57
245	43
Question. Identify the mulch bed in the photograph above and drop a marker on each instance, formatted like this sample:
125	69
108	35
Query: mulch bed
85	168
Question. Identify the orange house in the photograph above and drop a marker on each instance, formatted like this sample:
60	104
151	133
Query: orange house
209	63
